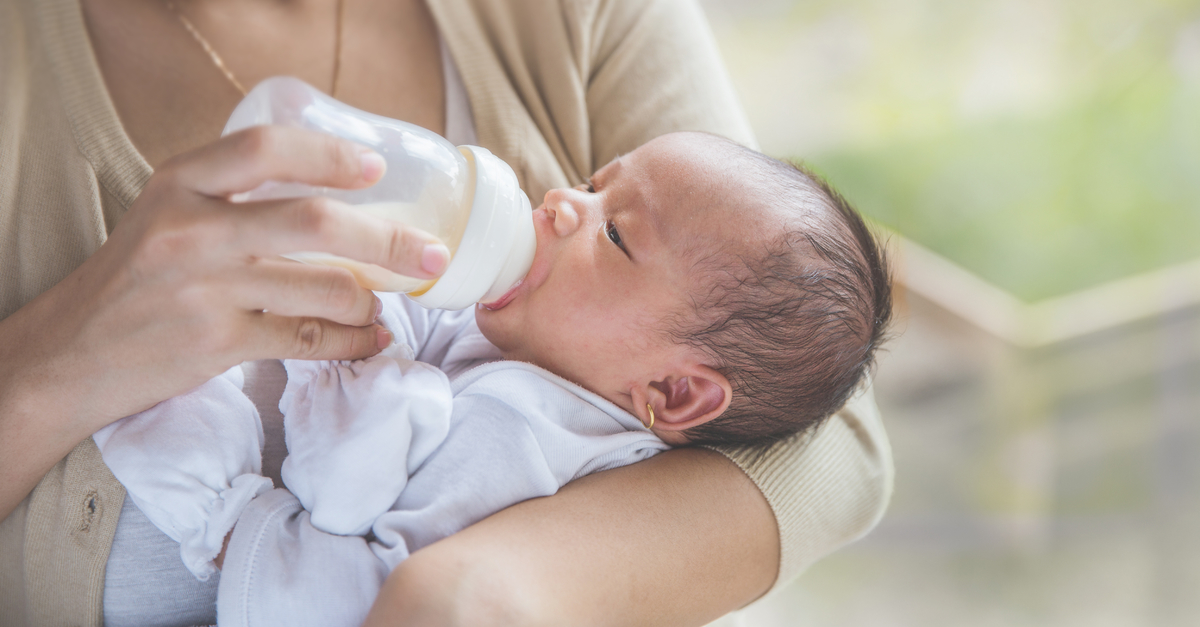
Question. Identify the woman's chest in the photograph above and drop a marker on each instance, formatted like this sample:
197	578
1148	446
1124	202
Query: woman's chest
170	69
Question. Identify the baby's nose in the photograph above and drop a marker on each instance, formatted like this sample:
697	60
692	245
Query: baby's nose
563	211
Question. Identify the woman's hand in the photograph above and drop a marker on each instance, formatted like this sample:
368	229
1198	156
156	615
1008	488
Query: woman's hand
189	284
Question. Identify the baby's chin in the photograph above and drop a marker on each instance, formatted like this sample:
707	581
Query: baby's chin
498	329
505	334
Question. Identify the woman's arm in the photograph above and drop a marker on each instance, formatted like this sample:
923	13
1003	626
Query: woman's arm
679	539
189	285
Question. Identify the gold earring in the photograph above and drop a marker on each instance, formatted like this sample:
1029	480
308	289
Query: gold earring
650	408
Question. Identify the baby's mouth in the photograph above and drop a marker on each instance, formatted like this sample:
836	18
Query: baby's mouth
507	298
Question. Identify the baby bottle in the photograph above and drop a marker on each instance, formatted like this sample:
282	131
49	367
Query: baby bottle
466	196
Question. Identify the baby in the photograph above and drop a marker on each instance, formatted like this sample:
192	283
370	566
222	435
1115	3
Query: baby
693	292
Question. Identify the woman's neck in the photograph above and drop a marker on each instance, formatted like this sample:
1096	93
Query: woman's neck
171	97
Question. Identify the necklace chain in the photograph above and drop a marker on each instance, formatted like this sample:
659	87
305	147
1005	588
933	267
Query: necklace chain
228	73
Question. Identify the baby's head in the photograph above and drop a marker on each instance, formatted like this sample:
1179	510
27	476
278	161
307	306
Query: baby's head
737	296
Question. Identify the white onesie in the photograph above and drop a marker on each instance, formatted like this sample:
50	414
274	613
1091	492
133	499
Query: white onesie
385	455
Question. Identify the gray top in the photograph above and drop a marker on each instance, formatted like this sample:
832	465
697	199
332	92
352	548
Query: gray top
146	583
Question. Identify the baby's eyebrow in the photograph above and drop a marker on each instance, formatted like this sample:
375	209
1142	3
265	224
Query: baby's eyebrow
615	164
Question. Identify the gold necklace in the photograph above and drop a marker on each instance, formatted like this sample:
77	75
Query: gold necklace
220	63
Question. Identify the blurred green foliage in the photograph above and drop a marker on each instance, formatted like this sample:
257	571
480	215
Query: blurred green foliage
1105	189
1045	146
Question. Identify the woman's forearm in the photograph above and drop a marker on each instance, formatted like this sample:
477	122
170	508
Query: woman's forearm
36	429
679	539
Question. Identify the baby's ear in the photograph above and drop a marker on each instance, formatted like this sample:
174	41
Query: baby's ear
687	399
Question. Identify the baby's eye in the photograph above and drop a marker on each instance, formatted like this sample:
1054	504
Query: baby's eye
610	230
591	189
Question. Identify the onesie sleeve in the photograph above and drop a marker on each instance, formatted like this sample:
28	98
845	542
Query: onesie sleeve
518	433
279	569
284	568
356	430
447	340
191	464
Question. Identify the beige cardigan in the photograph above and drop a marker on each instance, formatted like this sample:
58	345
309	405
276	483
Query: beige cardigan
557	89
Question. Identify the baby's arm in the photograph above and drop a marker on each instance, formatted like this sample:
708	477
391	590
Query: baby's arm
356	431
281	569
449	340
497	453
191	464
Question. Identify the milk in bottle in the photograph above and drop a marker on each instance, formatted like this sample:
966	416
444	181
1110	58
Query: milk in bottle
465	195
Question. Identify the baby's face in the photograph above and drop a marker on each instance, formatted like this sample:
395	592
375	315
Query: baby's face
614	263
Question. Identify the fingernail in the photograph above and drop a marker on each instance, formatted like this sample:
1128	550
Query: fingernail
434	258
373	165
383	338
378	309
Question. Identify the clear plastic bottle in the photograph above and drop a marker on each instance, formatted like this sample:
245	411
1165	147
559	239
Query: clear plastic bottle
466	196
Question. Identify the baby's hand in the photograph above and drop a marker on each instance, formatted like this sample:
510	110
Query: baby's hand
356	430
191	464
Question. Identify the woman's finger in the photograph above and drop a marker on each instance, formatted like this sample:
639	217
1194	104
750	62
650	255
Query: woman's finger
277	227
286	337
288	288
242	161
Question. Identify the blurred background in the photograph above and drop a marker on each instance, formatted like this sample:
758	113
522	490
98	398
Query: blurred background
1037	166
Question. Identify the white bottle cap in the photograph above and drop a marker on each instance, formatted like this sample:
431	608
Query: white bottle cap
498	244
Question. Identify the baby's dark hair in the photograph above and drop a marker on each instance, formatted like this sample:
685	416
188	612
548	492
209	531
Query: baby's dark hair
793	325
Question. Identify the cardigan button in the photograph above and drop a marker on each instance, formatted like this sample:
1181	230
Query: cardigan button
90	508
